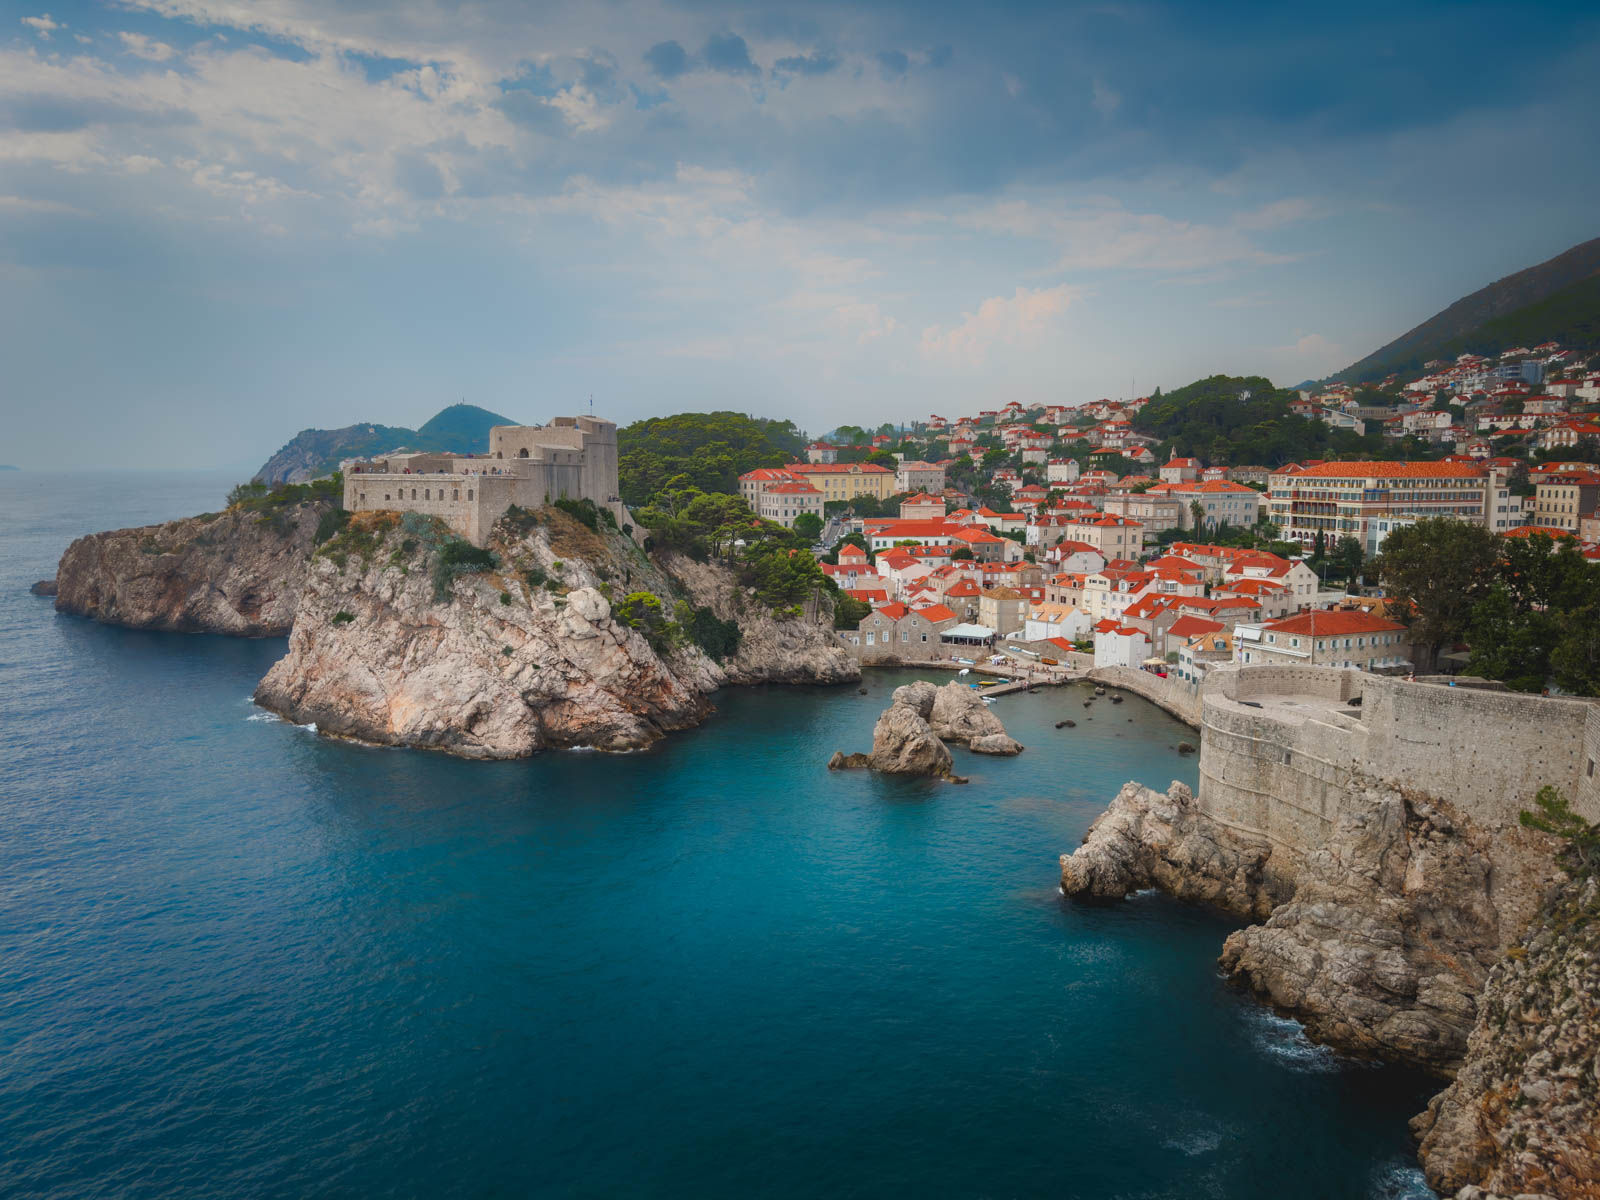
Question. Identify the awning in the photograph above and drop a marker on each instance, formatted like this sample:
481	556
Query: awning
968	632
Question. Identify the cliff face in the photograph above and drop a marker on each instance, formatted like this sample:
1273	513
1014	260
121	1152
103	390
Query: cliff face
1523	1114
233	572
798	650
526	657
1379	940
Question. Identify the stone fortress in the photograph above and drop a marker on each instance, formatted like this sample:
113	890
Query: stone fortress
572	458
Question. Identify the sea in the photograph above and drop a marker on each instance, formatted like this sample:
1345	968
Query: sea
239	959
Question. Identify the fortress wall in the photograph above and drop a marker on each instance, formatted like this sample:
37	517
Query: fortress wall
455	499
1587	800
1282	771
1276	774
1485	751
1329	683
1176	696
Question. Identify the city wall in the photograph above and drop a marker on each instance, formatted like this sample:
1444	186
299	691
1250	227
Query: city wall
1282	747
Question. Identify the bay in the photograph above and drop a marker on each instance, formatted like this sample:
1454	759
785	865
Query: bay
237	959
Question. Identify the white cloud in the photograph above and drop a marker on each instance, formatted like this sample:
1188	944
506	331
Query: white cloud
42	25
1018	321
1290	211
143	47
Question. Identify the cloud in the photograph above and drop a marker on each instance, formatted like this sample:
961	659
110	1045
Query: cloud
1290	211
667	59
727	52
1105	101
893	63
143	47
1018	321
42	25
815	63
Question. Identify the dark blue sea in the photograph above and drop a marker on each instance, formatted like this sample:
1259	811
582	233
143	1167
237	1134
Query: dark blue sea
239	960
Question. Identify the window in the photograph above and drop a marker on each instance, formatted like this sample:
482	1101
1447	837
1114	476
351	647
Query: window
469	493
386	495
427	494
870	636
455	493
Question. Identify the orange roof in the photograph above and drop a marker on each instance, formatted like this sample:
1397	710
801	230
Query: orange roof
1210	486
1188	627
936	612
1526	531
794	488
1337	623
893	611
1390	470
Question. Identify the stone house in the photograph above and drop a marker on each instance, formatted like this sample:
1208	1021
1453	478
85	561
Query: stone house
1002	609
1339	638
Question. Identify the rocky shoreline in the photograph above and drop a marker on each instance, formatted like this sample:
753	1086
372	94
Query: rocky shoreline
487	663
1388	943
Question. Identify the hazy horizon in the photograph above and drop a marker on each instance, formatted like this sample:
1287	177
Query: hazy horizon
223	222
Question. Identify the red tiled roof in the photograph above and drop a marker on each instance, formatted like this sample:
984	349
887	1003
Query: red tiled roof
1335	623
1390	470
1188	627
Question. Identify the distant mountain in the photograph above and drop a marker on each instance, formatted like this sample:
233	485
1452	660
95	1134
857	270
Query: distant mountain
1558	299
311	453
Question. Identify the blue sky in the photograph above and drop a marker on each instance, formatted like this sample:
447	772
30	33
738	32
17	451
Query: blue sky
225	220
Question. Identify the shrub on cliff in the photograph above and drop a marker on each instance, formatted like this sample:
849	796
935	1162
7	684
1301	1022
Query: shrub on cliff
718	638
332	522
1555	816
455	558
643	611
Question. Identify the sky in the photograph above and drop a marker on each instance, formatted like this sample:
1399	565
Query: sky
222	221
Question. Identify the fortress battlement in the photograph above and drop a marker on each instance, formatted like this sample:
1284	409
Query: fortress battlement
572	458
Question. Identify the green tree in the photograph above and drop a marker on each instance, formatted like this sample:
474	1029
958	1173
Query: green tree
1434	572
1555	816
1347	555
848	612
808	526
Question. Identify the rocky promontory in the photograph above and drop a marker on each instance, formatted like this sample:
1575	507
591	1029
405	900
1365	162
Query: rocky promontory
237	572
557	636
1378	941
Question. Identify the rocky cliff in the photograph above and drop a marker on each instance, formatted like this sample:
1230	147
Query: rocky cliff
237	572
1523	1114
530	654
797	650
1379	940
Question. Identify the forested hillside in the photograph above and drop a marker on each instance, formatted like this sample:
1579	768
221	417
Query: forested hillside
1241	419
1509	312
708	451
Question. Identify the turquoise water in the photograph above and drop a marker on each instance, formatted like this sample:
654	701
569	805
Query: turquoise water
239	960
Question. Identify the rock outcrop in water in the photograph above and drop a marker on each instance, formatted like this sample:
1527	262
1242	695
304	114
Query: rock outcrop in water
1379	941
960	715
1523	1114
505	662
903	743
238	572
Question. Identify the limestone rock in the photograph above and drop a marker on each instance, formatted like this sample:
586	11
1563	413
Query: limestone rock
1149	839
1523	1114
498	669
960	715
903	743
45	587
995	743
799	649
236	572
